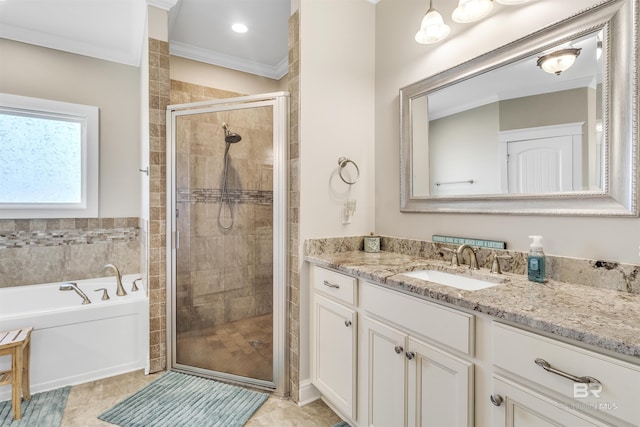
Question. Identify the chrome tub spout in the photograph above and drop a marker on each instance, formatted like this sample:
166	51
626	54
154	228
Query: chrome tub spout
120	290
73	286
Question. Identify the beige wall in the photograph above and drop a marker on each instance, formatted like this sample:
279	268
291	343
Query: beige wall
39	72
465	147
401	61
200	73
556	108
337	100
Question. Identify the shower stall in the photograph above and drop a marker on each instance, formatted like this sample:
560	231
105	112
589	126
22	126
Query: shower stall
226	239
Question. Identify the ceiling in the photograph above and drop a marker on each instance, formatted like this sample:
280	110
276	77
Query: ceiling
113	30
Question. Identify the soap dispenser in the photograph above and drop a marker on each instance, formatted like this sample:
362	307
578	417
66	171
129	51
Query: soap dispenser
536	260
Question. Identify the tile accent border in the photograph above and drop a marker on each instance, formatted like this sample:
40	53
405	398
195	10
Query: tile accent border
36	251
212	195
21	233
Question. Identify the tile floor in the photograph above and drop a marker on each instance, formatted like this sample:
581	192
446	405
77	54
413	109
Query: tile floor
87	401
243	347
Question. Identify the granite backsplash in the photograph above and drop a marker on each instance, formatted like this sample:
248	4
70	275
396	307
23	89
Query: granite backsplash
600	274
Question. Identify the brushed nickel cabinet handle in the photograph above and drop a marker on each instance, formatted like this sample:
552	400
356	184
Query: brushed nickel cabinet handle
410	355
331	285
347	323
496	399
547	367
398	349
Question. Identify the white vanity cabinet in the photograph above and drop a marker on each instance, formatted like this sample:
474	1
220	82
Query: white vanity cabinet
385	371
540	381
334	338
412	379
384	358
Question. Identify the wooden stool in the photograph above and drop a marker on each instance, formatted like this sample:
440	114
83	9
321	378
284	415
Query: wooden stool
17	344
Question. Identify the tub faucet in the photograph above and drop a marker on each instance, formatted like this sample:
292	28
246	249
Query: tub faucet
120	291
473	260
73	286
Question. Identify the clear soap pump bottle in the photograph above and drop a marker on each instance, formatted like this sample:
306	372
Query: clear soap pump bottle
536	260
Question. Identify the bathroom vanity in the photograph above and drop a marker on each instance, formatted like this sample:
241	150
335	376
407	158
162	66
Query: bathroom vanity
392	350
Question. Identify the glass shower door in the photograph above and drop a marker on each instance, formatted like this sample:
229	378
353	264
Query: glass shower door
224	223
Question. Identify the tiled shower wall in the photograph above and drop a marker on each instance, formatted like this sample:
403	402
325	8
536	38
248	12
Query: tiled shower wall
223	274
156	226
36	251
294	207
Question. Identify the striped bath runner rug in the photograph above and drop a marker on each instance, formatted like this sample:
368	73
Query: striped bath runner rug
181	400
42	410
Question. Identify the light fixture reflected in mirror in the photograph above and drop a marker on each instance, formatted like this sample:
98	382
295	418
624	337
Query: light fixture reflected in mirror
432	29
471	10
558	61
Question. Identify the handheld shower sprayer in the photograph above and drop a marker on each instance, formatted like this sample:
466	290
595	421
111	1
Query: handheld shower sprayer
230	137
225	198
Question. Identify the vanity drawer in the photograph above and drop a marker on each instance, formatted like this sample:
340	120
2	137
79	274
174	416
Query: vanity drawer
450	327
339	286
618	393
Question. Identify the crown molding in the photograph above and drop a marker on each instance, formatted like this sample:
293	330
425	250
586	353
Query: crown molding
227	61
162	4
128	56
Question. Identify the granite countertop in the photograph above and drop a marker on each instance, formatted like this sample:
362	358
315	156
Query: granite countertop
599	317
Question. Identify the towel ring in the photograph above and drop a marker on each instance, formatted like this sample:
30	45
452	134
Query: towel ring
343	161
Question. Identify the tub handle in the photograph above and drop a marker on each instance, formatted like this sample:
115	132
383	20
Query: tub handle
105	294
134	287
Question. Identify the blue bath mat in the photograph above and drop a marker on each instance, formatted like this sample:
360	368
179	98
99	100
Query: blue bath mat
43	410
181	400
342	424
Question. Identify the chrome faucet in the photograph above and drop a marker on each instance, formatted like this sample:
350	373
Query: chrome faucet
120	290
473	261
73	286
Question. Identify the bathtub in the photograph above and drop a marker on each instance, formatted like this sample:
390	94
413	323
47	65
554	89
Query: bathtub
73	343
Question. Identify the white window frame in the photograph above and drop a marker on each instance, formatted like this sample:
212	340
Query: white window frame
88	117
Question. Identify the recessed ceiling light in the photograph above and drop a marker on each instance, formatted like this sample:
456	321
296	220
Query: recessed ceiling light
239	28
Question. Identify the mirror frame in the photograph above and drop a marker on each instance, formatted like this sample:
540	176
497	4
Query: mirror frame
618	198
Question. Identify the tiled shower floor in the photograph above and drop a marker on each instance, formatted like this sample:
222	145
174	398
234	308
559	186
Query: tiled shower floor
87	401
243	347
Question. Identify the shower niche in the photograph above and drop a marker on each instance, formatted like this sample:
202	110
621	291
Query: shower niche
227	167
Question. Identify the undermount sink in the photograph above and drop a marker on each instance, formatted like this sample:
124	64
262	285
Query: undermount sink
448	279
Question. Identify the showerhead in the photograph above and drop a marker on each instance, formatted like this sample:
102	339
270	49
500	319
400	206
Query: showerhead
230	137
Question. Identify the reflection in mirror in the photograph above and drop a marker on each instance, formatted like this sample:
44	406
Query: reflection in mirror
516	129
499	134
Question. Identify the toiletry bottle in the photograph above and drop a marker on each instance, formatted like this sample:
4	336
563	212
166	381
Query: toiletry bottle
536	261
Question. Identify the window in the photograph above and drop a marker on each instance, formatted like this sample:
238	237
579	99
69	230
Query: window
48	158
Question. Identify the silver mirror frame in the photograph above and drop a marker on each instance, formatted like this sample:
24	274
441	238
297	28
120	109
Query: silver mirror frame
619	20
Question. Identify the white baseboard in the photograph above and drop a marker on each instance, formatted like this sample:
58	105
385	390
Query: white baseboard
307	393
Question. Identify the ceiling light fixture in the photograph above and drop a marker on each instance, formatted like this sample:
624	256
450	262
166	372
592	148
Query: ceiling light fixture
432	29
558	61
471	10
239	28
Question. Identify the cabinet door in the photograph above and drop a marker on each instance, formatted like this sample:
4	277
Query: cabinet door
386	375
440	387
519	406
334	367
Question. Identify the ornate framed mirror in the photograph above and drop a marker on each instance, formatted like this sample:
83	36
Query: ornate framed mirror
499	134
